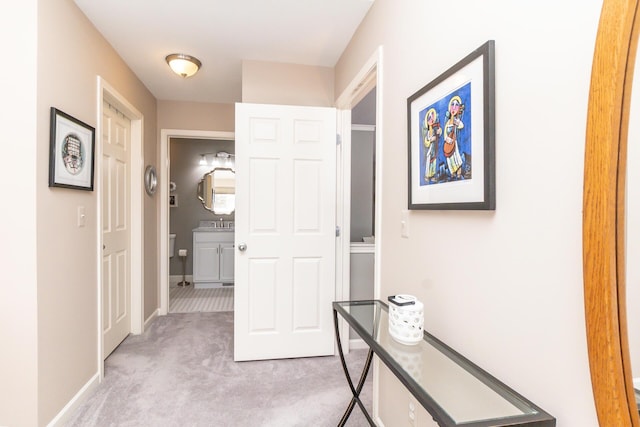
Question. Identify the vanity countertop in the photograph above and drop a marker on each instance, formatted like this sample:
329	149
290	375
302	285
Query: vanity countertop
215	229
215	226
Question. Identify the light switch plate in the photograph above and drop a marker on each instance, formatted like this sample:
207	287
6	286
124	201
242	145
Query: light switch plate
404	224
81	216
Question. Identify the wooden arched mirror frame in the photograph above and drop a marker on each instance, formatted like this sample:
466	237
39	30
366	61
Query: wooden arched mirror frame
604	214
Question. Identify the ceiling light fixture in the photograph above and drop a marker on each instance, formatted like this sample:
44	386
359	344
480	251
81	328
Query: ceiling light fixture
183	65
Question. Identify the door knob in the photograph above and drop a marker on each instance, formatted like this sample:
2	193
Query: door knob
242	247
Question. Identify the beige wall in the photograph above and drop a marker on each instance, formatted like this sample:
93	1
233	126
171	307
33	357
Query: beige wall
289	84
512	299
71	54
196	116
18	317
151	210
504	288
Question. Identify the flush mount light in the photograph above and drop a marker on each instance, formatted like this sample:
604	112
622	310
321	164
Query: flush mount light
183	65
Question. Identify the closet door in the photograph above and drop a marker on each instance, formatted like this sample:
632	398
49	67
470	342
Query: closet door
116	228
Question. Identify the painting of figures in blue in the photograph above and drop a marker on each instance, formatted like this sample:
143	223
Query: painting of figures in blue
445	138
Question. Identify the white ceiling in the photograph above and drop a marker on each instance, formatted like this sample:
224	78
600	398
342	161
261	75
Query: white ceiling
222	33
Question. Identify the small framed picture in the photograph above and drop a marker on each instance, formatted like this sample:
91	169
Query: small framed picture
173	200
71	156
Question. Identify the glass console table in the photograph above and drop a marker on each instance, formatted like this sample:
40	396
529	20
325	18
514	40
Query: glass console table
451	388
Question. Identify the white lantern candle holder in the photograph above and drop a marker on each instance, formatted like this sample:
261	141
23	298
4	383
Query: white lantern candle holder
406	319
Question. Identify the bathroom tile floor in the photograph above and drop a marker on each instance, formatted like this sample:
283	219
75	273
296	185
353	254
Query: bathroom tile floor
190	300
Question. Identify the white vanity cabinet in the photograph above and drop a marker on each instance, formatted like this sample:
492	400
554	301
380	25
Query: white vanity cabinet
213	254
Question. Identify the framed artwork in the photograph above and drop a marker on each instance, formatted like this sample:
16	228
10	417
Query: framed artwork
71	156
451	133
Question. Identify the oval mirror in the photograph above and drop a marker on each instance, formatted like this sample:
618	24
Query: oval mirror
217	191
604	201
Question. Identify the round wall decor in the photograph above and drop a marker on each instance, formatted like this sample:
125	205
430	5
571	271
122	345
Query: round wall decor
150	180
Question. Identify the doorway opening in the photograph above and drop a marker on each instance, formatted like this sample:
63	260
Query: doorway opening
200	274
363	95
360	101
363	195
179	187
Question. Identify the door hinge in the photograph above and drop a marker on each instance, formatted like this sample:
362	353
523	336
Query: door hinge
337	231
338	139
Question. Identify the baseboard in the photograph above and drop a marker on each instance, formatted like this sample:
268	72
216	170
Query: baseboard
81	396
357	344
151	318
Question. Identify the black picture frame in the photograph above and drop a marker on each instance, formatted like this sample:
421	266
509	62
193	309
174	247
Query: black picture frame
72	152
452	166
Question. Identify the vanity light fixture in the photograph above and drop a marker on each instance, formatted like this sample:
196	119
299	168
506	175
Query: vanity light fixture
183	65
225	158
221	158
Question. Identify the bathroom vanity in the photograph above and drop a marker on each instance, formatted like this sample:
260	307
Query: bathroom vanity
213	252
213	248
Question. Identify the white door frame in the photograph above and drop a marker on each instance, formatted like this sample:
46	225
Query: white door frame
163	190
107	93
369	76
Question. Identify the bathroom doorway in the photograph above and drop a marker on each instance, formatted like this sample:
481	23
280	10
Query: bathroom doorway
198	260
181	211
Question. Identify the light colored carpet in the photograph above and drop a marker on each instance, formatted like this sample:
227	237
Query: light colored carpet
180	373
190	300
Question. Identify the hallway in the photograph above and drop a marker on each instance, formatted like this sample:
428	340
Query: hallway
180	372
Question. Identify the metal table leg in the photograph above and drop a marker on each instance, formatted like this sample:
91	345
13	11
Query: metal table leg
363	376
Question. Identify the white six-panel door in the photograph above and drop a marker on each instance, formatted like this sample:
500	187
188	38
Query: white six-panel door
285	222
116	268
